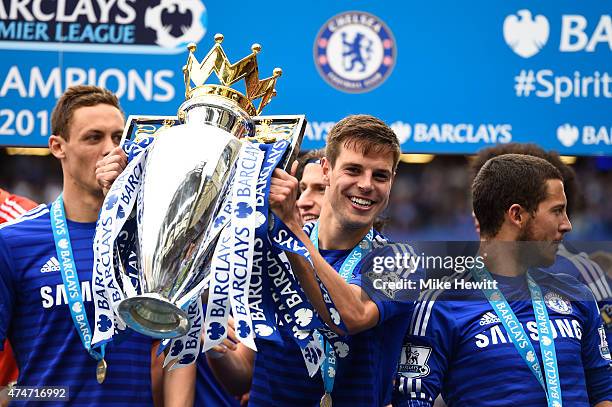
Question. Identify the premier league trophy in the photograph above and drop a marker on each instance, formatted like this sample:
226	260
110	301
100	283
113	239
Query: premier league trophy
180	193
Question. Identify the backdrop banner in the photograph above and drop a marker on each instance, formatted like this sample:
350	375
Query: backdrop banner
449	77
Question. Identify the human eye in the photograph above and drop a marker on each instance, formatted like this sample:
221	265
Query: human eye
93	137
352	169
381	176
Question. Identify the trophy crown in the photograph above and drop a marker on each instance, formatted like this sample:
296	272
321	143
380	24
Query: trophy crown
216	60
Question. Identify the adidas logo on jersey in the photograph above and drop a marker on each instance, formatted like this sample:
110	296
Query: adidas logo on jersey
51	265
488	318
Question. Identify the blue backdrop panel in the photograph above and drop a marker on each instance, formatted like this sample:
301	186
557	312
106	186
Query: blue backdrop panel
450	77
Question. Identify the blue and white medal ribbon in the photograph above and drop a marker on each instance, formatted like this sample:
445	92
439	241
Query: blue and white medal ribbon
334	346
552	385
70	277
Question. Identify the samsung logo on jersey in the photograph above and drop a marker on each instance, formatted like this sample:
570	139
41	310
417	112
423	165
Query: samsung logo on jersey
117	26
52	296
566	328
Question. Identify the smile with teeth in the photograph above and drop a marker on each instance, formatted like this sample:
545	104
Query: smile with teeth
365	203
308	218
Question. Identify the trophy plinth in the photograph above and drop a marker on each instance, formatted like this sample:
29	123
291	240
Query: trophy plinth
152	315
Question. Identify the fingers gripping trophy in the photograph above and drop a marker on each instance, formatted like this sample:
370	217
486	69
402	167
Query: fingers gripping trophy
173	221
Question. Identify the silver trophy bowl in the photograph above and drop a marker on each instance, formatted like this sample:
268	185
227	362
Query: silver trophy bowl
186	176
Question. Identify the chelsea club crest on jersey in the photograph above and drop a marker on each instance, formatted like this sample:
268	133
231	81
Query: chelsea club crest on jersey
557	303
355	51
413	361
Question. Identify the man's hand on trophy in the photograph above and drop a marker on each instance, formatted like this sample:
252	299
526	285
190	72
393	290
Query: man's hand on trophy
109	168
283	196
229	343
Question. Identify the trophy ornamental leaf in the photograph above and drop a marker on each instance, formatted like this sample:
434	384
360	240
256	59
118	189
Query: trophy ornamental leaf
216	61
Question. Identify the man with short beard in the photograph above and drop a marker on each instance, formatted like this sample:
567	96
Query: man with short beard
524	336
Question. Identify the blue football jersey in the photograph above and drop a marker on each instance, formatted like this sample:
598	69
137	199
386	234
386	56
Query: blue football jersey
209	392
363	378
457	346
34	315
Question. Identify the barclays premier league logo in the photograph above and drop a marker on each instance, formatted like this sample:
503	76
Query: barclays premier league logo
355	52
147	27
413	362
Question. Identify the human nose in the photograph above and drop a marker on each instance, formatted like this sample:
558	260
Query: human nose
364	183
305	201
566	225
109	145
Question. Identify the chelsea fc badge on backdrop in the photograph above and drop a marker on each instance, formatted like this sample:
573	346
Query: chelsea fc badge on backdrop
355	52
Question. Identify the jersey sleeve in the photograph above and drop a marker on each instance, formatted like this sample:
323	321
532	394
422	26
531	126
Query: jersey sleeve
425	355
596	356
388	286
7	291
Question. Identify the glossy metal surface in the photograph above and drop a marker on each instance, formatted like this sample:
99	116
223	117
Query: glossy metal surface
185	177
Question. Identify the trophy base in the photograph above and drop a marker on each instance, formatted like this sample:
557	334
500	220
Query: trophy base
152	315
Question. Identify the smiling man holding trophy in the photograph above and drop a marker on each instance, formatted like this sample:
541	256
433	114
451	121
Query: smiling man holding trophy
187	220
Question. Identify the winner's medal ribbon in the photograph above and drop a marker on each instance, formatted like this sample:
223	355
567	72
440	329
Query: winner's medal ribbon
70	277
333	345
520	339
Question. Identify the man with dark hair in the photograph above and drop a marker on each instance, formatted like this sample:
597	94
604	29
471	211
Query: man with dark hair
312	187
362	154
46	259
532	338
493	190
568	261
569	176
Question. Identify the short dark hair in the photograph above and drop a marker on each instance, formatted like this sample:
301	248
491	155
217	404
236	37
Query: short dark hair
364	132
311	157
569	175
506	180
75	97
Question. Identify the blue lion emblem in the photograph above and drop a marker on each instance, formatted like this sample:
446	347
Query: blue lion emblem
120	212
104	323
243	210
219	221
112	200
187	359
357	52
215	330
177	347
243	329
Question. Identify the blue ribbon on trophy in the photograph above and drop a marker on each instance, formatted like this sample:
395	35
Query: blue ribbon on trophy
200	201
107	292
261	305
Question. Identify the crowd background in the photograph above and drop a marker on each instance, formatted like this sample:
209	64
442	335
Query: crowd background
428	201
